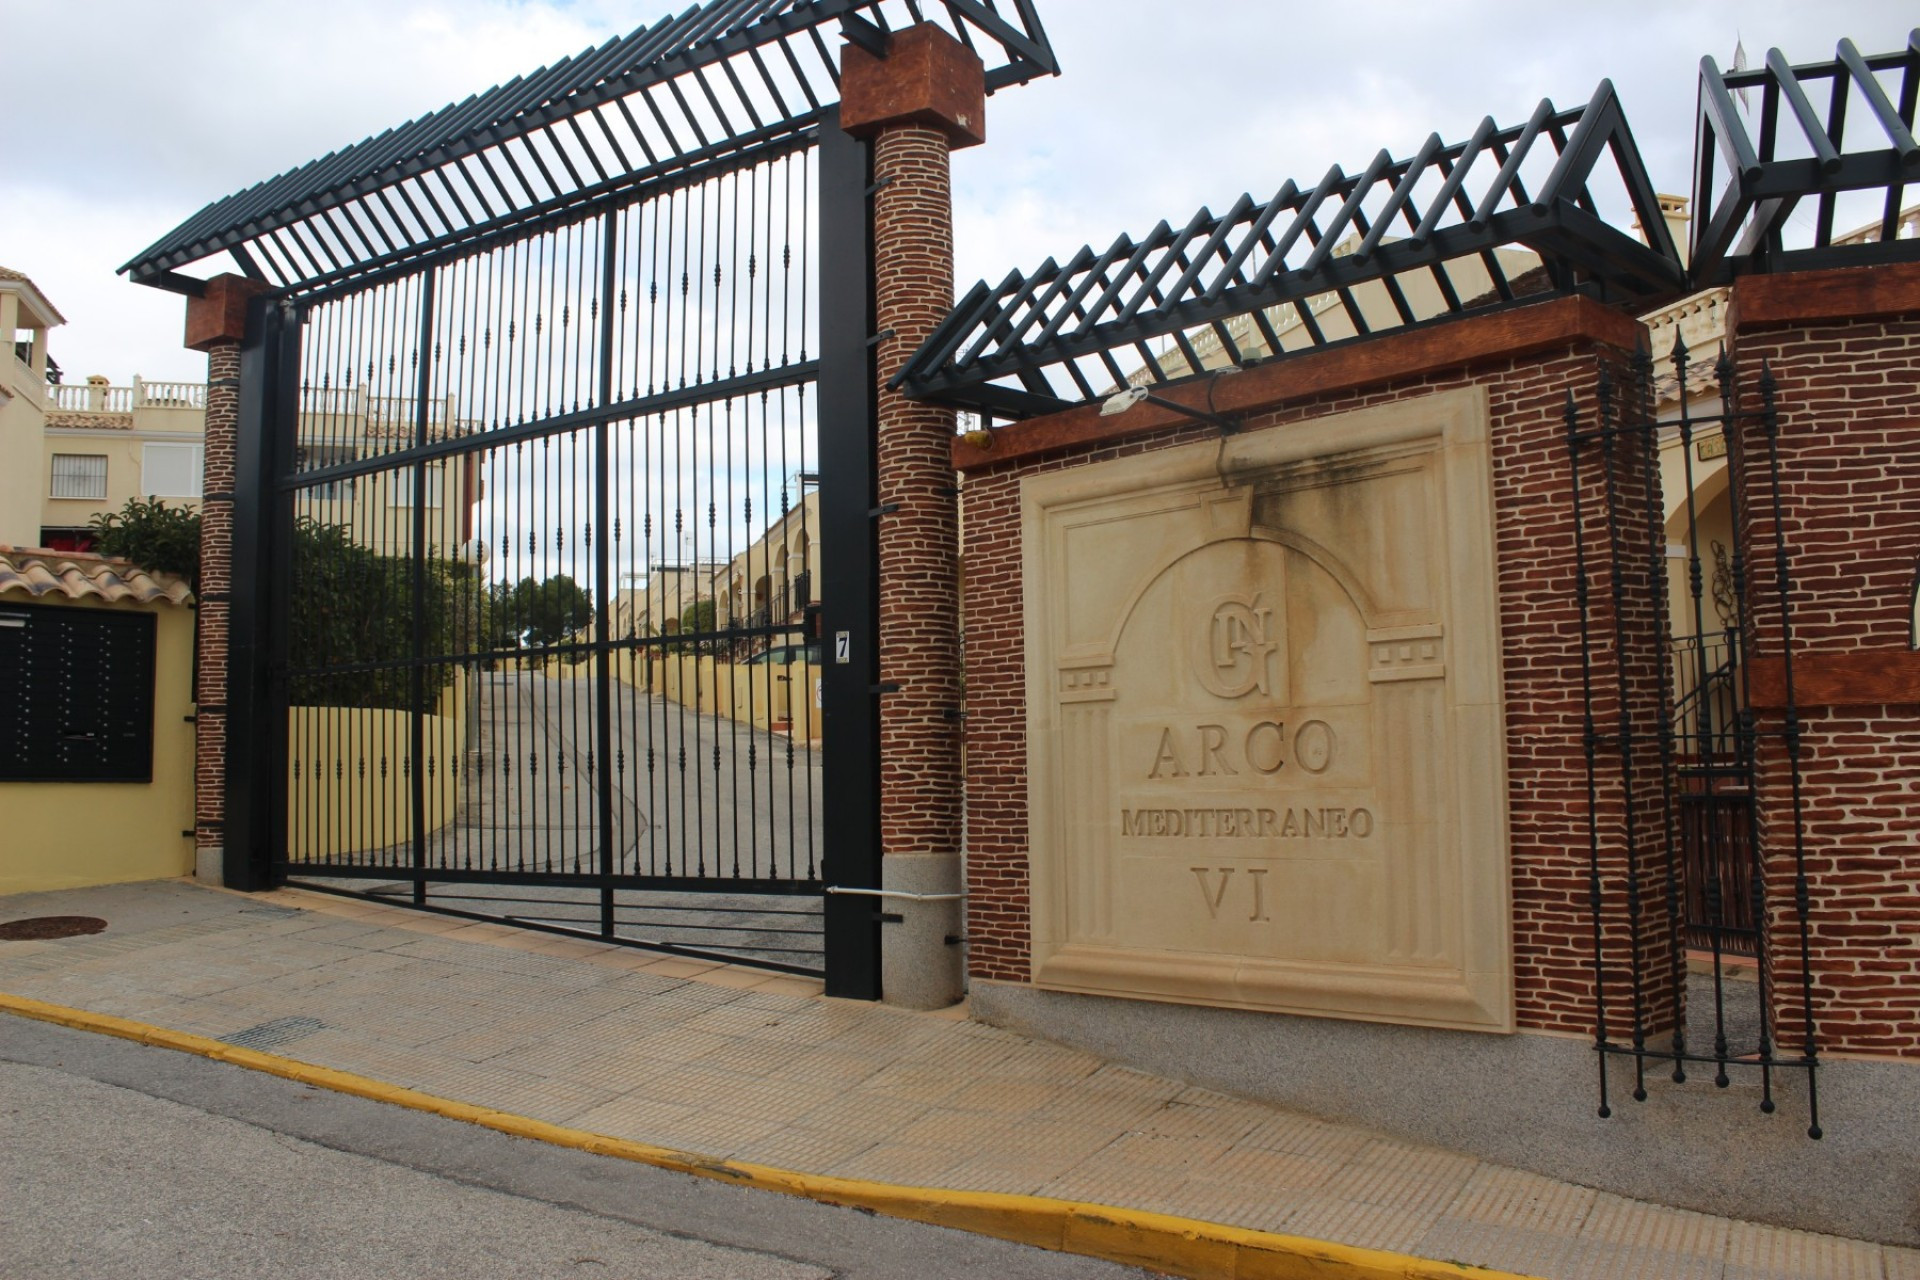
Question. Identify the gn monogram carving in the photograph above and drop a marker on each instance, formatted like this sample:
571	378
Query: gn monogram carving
1234	653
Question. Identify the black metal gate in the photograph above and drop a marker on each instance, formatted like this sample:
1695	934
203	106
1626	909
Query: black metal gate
553	542
543	548
550	520
1696	864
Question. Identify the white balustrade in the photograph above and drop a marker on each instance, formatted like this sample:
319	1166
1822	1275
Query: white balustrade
100	397
169	395
330	401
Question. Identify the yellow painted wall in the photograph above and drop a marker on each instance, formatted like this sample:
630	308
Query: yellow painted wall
755	695
63	835
338	803
125	452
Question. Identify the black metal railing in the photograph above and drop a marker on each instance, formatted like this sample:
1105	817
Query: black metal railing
1705	670
1838	133
718	81
1398	243
1715	804
1675	750
489	446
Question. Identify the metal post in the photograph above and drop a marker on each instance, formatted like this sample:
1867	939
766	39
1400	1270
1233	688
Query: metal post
417	684
603	573
269	359
849	565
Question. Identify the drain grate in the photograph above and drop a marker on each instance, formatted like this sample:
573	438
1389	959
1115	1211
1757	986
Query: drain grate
43	928
271	1035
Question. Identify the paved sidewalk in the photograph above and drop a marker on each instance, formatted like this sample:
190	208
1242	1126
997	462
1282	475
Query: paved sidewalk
746	1065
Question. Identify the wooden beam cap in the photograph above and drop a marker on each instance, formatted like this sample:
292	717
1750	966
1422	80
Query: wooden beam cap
220	314
927	78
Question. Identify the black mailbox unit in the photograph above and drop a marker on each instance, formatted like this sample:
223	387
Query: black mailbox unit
76	694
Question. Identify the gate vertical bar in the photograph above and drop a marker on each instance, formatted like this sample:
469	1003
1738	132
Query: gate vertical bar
850	782
603	573
1590	750
1790	735
417	694
252	844
280	445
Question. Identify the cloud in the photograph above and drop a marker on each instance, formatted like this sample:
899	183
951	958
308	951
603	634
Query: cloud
150	111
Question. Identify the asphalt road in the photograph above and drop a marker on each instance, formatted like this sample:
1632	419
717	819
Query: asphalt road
123	1161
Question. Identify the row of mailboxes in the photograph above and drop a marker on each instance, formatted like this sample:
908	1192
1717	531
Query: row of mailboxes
76	694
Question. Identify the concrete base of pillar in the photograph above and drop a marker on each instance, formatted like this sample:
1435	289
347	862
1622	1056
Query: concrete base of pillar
919	968
209	866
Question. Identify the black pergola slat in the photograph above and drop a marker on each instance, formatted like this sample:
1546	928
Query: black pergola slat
307	206
1336	240
1744	189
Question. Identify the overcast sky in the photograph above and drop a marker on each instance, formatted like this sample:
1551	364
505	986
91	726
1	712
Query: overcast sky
127	116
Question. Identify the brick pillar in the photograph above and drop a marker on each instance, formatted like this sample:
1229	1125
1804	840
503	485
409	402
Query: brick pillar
1622	540
926	97
1843	348
216	323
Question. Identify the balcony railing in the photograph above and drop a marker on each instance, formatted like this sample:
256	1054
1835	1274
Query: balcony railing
170	395
100	397
1906	227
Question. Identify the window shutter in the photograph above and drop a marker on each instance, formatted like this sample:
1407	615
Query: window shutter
79	475
171	470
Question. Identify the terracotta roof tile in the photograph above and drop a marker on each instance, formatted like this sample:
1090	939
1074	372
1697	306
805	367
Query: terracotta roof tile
77	575
8	273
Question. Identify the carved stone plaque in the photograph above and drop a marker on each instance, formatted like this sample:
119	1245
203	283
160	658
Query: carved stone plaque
1265	735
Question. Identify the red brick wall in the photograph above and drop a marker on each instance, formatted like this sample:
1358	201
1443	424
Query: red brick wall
216	582
1848	396
1536	566
919	583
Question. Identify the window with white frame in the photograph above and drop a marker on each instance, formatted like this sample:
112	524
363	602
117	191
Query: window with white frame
400	490
171	470
79	475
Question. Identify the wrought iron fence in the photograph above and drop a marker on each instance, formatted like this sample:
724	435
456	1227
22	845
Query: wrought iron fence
468	717
1682	851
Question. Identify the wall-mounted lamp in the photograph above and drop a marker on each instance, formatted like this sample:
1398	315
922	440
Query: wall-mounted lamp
1121	401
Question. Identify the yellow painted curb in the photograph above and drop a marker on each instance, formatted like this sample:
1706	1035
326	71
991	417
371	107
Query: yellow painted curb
1161	1242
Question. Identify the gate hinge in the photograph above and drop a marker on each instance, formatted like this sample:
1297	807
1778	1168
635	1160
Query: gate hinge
883	688
953	714
879	337
884	509
881	185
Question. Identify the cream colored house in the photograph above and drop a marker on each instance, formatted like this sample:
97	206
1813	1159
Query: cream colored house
769	584
71	452
345	425
773	581
656	606
106	444
25	317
